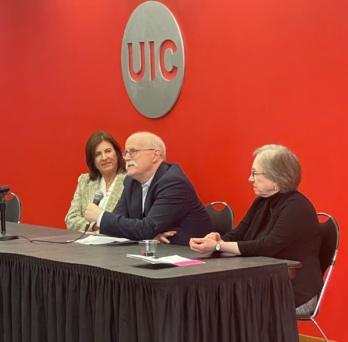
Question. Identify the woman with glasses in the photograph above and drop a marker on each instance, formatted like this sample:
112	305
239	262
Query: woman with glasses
281	223
106	173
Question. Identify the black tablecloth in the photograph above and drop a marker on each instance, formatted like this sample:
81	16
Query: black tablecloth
89	293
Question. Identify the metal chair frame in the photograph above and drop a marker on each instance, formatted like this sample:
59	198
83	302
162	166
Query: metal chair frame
328	274
19	205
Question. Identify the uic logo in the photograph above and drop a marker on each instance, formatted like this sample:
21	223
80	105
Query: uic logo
152	59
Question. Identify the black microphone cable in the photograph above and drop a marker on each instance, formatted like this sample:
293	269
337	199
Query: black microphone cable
98	196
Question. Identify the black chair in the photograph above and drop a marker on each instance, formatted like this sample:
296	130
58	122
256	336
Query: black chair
13	208
329	232
223	220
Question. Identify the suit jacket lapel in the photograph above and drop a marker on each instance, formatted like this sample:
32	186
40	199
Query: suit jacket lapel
93	186
136	201
158	175
116	193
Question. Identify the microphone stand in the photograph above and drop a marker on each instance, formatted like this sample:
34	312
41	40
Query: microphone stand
3	235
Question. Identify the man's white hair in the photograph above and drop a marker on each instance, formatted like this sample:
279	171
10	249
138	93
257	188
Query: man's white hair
153	141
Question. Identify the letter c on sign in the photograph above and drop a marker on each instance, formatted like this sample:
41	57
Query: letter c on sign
168	69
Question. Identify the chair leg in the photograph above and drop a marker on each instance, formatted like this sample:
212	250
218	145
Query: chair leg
317	325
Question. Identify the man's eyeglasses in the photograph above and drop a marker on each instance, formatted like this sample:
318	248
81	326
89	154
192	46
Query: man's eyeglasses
254	173
134	152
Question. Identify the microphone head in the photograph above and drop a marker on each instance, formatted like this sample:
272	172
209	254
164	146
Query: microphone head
98	196
4	189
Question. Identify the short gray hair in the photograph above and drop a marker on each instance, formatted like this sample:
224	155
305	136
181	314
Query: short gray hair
280	165
156	142
153	141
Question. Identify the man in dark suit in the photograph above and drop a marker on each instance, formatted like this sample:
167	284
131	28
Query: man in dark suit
157	201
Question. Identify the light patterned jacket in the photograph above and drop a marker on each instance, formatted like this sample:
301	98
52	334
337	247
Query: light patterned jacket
84	194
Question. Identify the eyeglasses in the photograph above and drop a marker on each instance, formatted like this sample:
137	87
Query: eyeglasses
133	152
253	173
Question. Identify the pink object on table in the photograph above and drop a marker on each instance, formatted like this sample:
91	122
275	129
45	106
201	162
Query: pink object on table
189	262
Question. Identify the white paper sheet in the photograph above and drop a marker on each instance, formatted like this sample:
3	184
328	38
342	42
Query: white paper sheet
101	240
173	260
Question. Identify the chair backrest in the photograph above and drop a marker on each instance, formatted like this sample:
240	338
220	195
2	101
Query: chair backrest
223	220
330	237
329	232
13	208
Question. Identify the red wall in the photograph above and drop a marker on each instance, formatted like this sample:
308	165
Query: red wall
257	72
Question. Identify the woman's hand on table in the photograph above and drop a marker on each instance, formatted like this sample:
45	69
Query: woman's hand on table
214	236
203	245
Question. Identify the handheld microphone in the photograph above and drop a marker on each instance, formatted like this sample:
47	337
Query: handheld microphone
98	196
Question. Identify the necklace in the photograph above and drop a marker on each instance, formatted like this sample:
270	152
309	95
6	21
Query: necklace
109	183
106	188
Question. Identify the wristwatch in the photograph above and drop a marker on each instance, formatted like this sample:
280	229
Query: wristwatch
218	246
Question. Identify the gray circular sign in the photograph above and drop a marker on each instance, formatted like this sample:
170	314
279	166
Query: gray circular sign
153	59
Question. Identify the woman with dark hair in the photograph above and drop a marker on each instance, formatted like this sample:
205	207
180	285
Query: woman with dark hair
106	173
281	223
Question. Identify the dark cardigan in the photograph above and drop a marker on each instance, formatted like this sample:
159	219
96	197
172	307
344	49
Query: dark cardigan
285	226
